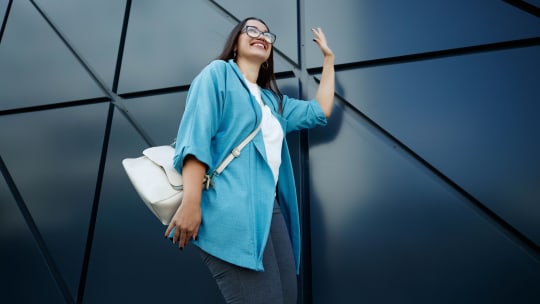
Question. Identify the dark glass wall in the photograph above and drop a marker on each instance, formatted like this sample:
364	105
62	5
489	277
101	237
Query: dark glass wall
423	188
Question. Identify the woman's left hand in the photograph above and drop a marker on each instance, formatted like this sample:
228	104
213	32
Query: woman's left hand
326	90
320	39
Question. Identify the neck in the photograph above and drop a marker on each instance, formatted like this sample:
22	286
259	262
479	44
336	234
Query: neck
249	69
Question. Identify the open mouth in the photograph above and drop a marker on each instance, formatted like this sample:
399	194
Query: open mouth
259	44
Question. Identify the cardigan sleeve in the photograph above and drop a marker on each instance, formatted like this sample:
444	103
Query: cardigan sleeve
301	114
201	117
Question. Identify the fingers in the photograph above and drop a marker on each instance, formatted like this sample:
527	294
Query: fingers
176	235
181	236
184	226
186	236
169	228
195	234
184	239
319	34
316	39
320	39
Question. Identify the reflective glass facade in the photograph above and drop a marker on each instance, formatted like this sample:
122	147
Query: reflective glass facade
423	188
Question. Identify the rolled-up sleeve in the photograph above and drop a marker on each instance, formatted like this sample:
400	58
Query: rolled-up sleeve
301	114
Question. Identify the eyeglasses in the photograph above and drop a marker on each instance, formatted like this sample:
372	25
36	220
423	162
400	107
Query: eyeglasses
254	32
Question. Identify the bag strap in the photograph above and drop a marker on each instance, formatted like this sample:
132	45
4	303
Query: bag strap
234	154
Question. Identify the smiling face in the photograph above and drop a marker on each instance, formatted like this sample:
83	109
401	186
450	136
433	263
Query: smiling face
256	49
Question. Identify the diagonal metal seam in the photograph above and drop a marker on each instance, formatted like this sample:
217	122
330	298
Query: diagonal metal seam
122	96
116	102
4	20
115	99
52	106
276	50
499	222
514	234
155	92
101	171
95	206
75	53
525	6
34	230
430	55
121	47
182	88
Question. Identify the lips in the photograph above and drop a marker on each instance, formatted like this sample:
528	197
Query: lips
259	44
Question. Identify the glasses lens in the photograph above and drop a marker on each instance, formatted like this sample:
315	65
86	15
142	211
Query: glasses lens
269	37
253	32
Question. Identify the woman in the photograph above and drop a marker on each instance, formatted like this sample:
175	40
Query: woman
247	224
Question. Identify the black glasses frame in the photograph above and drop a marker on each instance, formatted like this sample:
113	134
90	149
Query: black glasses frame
254	32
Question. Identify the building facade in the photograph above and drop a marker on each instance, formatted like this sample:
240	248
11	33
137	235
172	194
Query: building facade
423	188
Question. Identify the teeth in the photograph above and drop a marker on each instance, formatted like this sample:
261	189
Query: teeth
258	45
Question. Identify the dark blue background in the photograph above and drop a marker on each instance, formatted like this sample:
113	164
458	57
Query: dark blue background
423	188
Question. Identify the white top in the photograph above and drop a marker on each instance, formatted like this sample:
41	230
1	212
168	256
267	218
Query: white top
271	131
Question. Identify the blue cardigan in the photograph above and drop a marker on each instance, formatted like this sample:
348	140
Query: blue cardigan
236	213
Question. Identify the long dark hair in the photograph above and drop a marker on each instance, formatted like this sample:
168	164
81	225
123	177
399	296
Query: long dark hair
266	78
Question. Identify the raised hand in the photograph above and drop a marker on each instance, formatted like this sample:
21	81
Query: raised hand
320	39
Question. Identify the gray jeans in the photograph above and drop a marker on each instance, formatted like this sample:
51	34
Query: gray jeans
276	284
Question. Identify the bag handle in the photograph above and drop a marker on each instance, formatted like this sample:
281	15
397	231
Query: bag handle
234	154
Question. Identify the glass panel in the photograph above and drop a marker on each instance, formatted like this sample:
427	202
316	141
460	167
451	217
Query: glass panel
280	64
289	87
25	276
36	68
168	43
159	115
54	159
141	252
364	30
280	16
386	230
94	28
473	117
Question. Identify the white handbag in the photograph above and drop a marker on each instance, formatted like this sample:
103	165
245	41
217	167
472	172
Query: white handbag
159	184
